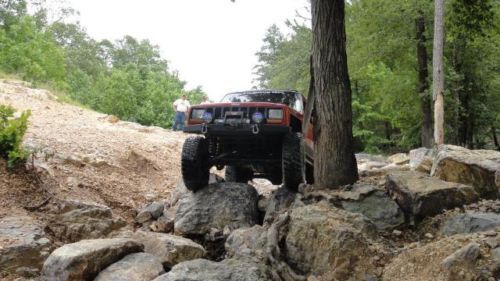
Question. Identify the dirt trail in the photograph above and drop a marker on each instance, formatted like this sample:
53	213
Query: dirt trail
92	156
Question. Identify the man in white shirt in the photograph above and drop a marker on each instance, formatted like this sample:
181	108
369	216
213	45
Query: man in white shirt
181	107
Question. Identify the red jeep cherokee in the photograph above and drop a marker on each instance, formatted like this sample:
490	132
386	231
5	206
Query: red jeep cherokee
253	134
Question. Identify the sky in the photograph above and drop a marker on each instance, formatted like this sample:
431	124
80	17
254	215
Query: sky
211	43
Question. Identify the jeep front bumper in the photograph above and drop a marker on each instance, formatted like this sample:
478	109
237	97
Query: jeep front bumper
237	130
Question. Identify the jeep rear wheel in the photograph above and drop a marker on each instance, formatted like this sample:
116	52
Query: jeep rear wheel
195	169
293	162
238	174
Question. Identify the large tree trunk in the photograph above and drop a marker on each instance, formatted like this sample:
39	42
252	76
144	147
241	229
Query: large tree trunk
334	163
423	82
438	72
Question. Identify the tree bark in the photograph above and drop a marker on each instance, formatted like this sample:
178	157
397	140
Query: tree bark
334	163
438	72
423	82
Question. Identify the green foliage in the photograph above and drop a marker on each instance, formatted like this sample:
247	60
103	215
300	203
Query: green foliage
31	53
127	78
284	62
382	57
12	131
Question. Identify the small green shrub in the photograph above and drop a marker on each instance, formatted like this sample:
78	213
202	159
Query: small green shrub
12	131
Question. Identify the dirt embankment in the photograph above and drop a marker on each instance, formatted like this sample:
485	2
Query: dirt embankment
84	155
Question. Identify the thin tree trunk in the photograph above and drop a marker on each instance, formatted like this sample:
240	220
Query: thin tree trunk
438	72
494	135
334	163
423	84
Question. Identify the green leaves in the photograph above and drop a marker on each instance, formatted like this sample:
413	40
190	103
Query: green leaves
382	57
127	78
12	131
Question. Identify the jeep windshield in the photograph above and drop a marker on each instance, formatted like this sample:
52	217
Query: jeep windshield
291	99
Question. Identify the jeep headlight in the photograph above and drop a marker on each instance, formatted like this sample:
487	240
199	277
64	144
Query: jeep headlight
207	117
257	117
275	114
197	113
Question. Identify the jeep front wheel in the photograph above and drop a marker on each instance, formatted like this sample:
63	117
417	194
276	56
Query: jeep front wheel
293	162
195	169
238	174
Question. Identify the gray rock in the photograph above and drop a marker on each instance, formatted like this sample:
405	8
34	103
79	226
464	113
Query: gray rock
217	206
399	158
420	195
204	270
150	212
478	168
22	243
324	240
469	223
495	255
75	220
247	243
85	259
280	200
365	157
367	162
374	204
134	267
179	192
170	249
467	254
165	223
421	160
373	172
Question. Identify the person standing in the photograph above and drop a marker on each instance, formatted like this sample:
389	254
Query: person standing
181	107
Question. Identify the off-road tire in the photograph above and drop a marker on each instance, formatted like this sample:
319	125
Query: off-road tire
195	169
238	174
309	174
293	160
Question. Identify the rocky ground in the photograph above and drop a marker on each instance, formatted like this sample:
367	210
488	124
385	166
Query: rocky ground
102	200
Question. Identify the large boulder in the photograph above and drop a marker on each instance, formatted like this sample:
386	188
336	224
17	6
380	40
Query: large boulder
421	159
373	203
420	195
23	243
85	259
469	223
76	220
479	168
247	243
326	241
134	267
218	206
451	258
205	270
169	249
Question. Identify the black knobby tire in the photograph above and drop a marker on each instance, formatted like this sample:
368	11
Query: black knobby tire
238	174
309	174
293	162
195	168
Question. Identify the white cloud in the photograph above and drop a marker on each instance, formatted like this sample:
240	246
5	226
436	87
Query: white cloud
210	42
